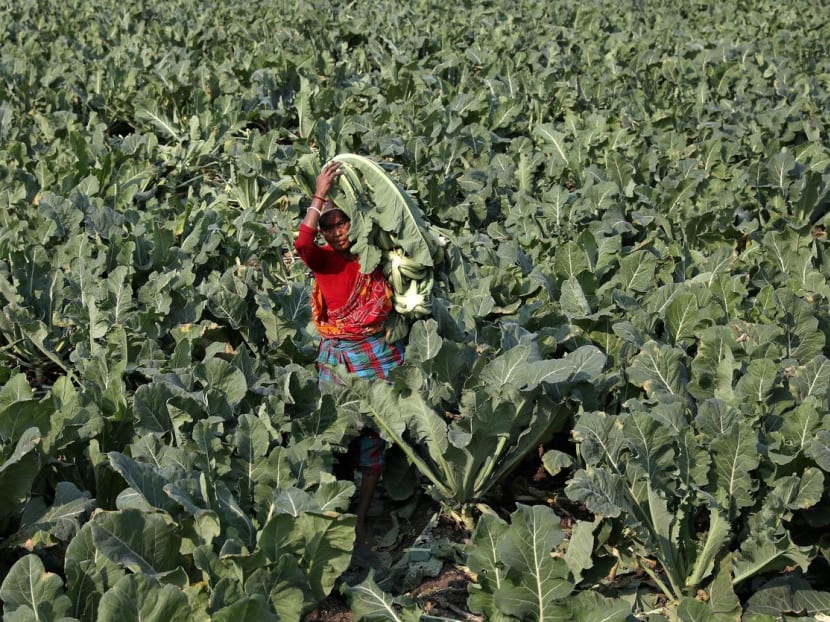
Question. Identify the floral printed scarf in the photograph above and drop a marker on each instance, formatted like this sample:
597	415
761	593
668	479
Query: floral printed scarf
363	314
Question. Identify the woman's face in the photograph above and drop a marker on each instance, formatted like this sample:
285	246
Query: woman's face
334	226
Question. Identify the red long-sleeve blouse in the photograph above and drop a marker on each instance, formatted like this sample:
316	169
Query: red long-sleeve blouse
335	275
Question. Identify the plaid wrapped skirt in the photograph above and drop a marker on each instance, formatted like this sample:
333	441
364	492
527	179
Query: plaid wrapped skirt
368	357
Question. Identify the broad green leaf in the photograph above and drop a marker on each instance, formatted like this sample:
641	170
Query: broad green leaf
451	363
141	598
284	312
15	390
735	457
63	518
779	166
658	526
202	528
556	203
715	542
424	341
555	461
145	479
714	365
280	537
650	446
765	552
394	414
146	543
800	492
600	196
659	299
252	440
683	317
149	114
629	333
693	610
294	501
808	198
329	541
21	415
555	143
716	418
728	292
302	103
23	448
483	425
811	379
334	496
254	608
151	408
819	449
722	598
803	338
659	370
573	301
18	471
600	439
507	369
637	271
279	584
478	300
578	555
527	599
788	595
535	580
28	584
89	573
228	305
600	490
583	364
671	415
222	376
368	602
757	383
619	169
425	424
798	429
608	254
590	606
570	261
231	514
483	559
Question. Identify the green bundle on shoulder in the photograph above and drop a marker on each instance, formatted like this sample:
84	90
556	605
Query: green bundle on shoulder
387	229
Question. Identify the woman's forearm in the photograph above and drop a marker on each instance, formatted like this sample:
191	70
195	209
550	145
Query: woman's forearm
321	192
312	214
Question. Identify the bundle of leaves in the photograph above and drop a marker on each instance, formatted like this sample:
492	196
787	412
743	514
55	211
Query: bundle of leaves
387	229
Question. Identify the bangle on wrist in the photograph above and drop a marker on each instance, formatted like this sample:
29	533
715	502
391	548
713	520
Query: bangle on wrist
317	196
314	209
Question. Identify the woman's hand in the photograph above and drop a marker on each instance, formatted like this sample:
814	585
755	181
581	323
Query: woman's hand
320	203
325	179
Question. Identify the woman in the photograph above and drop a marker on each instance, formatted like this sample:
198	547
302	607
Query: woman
349	310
